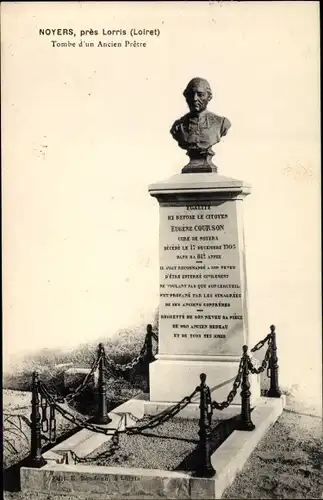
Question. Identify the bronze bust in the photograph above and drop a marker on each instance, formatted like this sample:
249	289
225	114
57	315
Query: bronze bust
199	130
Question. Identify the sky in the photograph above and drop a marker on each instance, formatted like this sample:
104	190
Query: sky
86	130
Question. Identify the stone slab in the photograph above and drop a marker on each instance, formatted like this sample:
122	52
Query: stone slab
86	481
64	366
73	376
51	456
95	441
105	482
85	441
73	441
199	183
203	293
172	380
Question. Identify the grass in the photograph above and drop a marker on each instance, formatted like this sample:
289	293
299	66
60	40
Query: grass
16	432
121	349
287	463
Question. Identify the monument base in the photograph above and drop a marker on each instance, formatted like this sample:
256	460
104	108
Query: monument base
174	377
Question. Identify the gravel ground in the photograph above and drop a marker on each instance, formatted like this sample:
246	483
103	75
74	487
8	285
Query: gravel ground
287	463
170	446
163	447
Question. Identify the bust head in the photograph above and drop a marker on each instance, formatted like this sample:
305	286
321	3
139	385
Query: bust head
197	94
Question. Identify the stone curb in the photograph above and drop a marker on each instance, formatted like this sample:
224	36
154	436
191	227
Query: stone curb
89	481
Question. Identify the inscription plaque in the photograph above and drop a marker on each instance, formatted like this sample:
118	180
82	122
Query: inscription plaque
202	286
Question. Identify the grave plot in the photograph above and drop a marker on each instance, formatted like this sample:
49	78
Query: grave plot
173	446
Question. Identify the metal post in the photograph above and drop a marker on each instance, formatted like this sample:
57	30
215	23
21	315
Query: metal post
274	391
102	416
149	353
205	468
245	423
35	459
149	344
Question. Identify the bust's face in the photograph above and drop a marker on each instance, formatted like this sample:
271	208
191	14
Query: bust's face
197	97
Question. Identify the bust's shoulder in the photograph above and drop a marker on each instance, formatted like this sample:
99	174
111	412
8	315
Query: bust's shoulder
215	118
219	121
177	123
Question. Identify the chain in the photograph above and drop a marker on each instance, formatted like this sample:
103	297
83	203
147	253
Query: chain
156	420
232	393
114	445
261	343
75	419
58	397
165	415
52	424
264	362
85	381
44	419
111	364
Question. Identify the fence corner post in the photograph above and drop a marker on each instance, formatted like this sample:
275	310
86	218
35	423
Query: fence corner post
205	468
149	344
274	391
245	423
102	416
35	458
149	353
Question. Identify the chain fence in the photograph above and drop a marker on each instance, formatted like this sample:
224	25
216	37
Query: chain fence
86	381
261	343
155	420
232	394
117	368
264	362
111	368
53	403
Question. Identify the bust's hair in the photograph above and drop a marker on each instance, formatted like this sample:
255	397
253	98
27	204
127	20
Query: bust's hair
196	81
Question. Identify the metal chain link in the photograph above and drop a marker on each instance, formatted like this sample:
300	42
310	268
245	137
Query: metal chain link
156	420
44	419
110	363
114	445
260	344
165	415
117	367
232	393
264	362
82	386
52	424
75	419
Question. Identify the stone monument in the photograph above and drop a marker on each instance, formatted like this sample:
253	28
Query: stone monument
203	314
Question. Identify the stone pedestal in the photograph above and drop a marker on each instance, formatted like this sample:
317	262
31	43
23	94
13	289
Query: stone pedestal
203	315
